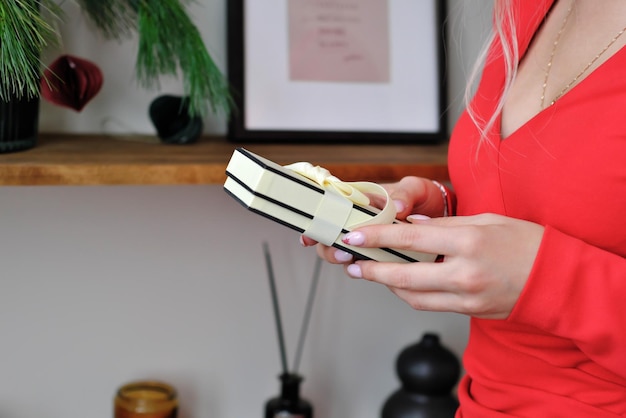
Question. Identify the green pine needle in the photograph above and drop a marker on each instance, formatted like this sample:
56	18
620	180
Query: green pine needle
114	18
168	41
24	34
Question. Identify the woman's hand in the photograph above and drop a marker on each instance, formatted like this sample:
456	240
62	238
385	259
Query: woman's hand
487	260
414	195
410	195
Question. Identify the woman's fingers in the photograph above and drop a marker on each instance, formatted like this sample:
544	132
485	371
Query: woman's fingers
445	236
487	261
430	301
416	195
449	302
306	241
426	238
421	277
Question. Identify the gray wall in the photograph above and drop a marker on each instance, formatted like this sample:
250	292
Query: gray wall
102	285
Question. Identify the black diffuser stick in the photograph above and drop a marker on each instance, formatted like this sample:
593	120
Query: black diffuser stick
307	313
279	325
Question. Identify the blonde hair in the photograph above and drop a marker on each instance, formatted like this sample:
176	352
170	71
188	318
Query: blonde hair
504	34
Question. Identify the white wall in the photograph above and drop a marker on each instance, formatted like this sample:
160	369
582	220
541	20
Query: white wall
102	285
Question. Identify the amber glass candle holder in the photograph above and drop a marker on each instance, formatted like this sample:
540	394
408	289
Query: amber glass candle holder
146	399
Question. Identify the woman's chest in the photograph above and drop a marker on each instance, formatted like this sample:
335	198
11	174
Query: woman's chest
565	168
573	43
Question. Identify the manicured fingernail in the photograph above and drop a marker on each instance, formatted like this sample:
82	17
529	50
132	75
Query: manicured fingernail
354	270
399	205
343	256
417	217
354	238
302	241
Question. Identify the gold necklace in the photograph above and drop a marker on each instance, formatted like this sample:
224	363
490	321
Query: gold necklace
583	71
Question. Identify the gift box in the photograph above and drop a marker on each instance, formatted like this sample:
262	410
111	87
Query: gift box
313	202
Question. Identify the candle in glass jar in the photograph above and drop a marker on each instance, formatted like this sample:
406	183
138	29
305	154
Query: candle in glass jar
146	399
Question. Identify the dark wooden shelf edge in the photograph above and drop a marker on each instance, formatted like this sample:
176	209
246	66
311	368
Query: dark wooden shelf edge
63	159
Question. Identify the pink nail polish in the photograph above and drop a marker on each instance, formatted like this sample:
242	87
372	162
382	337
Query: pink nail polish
417	217
343	256
354	270
354	238
399	205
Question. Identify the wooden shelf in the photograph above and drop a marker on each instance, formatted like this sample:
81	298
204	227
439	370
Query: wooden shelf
102	160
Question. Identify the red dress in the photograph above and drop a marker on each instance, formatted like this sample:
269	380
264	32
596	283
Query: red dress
562	351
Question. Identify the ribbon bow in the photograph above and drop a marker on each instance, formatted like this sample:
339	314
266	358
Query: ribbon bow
353	191
323	177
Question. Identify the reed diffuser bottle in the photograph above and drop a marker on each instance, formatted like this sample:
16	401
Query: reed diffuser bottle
289	404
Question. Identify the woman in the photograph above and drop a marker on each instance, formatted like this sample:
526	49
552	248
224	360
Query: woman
536	252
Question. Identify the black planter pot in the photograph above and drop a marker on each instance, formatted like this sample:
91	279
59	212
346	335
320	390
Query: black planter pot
170	116
19	124
19	117
428	372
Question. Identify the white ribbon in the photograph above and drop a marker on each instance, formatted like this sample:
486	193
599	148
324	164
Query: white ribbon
323	177
353	191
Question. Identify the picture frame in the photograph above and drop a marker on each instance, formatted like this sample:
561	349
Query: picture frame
337	71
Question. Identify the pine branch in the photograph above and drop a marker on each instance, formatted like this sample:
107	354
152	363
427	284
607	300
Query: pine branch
24	34
168	41
114	18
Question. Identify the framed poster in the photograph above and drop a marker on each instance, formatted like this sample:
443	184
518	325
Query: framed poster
337	70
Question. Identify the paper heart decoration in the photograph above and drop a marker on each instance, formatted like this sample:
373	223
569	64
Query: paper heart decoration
71	82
